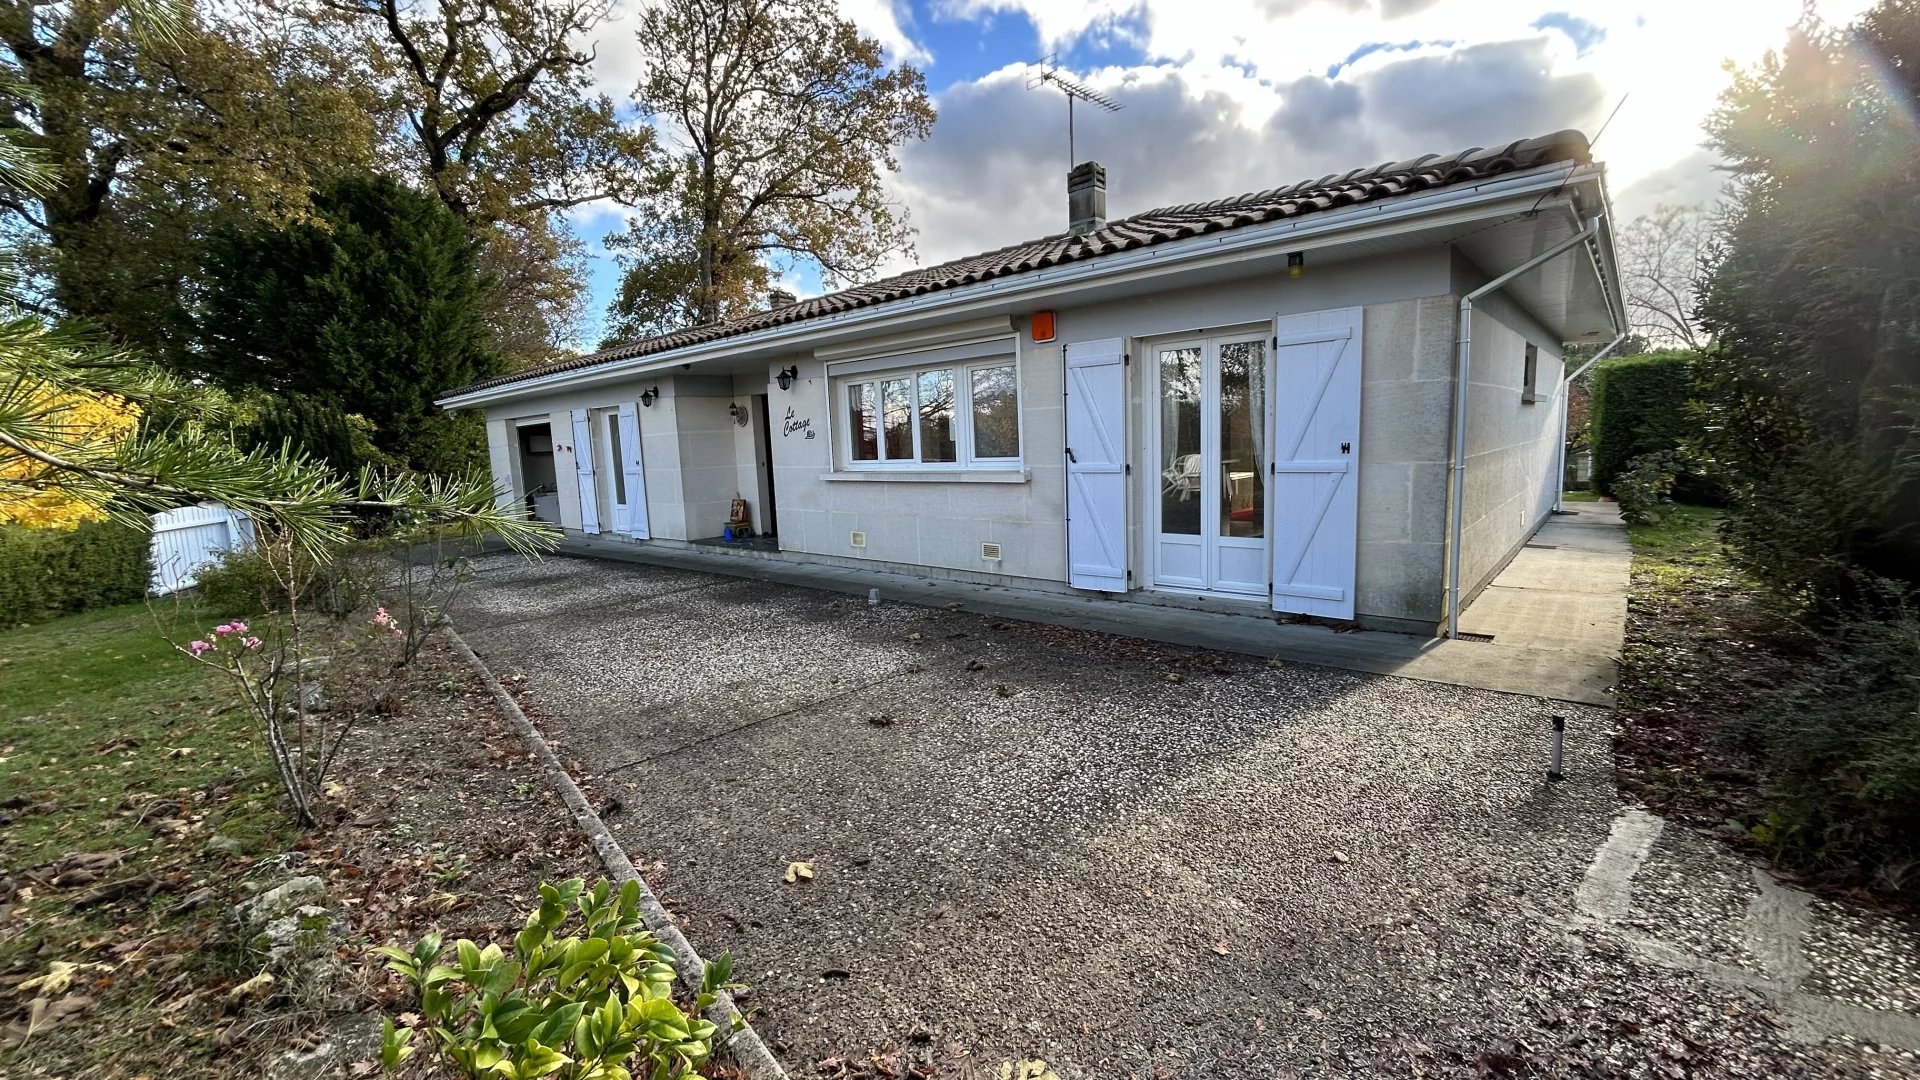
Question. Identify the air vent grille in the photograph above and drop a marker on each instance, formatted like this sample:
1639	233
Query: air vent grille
990	552
857	538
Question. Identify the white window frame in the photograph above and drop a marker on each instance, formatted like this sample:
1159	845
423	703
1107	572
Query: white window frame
867	373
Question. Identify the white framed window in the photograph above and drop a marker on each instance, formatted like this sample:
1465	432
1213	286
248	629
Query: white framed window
1530	376
957	408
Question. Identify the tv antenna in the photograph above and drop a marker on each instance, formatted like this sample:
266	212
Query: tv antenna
1048	73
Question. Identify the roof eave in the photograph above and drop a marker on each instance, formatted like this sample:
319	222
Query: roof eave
1385	218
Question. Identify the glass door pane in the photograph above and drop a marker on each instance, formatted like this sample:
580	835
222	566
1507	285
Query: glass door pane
1181	470
1243	442
615	468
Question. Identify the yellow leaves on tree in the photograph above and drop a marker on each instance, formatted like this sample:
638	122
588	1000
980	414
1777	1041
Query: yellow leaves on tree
78	428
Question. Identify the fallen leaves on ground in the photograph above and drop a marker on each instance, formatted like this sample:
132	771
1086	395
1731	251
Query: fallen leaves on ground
59	977
799	871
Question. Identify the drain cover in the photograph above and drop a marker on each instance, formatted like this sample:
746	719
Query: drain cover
1464	636
1545	547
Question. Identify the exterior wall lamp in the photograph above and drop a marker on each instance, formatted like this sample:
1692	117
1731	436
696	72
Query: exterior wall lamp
739	414
787	375
649	396
1296	263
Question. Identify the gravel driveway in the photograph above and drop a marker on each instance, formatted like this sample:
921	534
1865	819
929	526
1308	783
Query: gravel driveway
1122	858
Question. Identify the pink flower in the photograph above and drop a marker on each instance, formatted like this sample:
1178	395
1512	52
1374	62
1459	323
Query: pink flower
224	628
397	632
251	642
197	647
238	626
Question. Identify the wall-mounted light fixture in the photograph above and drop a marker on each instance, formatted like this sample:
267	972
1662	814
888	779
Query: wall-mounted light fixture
1296	263
648	396
787	375
739	414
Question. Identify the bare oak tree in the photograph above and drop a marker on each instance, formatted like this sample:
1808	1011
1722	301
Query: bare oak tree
1660	263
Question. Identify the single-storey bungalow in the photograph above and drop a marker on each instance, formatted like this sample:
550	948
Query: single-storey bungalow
1343	398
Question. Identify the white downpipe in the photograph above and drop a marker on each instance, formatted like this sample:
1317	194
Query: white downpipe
1462	370
1566	402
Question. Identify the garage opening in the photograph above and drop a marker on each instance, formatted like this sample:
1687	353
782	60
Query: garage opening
541	492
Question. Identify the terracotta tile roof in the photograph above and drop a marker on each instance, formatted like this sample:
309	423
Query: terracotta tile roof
1141	230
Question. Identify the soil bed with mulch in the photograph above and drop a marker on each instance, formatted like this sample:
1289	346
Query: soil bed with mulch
1698	645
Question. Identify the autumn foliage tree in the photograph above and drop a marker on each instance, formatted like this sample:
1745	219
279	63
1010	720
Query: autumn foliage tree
491	103
782	121
150	141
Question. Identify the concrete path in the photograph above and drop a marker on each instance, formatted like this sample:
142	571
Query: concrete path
1565	591
1557	614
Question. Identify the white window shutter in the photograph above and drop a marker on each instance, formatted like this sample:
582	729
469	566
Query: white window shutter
1316	461
501	438
583	469
636	476
1096	453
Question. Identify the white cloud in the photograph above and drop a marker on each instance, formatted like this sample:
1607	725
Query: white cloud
1200	130
886	22
618	66
1438	70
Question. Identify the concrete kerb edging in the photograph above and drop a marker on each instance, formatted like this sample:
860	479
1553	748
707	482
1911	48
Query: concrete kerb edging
744	1045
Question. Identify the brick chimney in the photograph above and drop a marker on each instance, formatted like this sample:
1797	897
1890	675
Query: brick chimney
1086	197
779	298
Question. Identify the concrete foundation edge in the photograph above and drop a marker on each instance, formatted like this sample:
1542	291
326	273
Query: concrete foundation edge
743	1045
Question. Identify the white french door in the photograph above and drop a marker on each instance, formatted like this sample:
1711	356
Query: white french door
1210	456
616	455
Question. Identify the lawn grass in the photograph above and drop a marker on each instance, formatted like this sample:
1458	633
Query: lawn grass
112	741
1679	553
1579	496
95	708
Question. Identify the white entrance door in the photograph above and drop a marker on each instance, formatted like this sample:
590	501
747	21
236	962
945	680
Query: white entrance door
1316	461
614	432
1097	465
1210	456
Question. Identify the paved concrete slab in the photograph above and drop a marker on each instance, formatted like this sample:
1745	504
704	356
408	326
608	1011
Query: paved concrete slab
1565	569
1565	592
1577	622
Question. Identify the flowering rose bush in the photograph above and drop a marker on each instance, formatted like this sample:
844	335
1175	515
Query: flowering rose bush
308	680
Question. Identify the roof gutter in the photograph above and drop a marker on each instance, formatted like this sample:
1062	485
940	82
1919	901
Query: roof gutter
1387	218
1462	390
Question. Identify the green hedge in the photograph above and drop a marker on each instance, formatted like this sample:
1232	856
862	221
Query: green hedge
1639	407
49	572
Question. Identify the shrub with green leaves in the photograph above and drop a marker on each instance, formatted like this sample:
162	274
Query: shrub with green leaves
1642	405
50	572
1839	738
1645	489
593	1004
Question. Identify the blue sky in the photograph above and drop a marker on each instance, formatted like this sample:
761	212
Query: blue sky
1225	96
